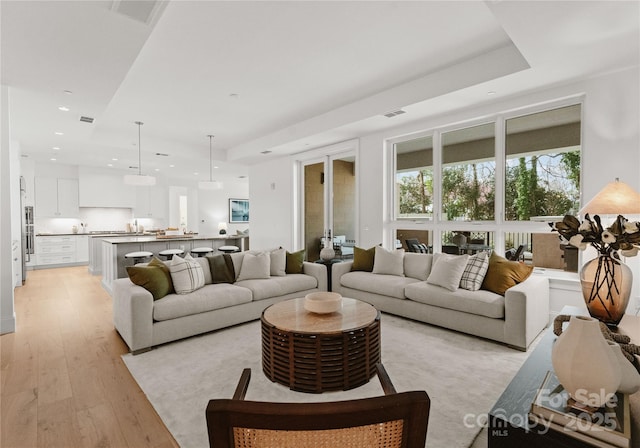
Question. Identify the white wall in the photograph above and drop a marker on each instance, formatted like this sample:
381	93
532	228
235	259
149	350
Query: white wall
213	208
9	214
611	148
272	194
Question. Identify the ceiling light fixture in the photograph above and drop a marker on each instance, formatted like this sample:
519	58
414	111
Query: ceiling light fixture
210	184
139	179
59	133
63	108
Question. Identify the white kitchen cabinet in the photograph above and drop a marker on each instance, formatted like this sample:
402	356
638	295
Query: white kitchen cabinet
82	248
61	250
56	198
99	189
151	202
55	250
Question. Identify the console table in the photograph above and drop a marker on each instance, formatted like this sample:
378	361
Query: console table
509	425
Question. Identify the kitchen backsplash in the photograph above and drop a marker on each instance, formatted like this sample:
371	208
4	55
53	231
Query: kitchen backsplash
94	219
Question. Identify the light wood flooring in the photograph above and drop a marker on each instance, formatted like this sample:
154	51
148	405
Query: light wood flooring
62	381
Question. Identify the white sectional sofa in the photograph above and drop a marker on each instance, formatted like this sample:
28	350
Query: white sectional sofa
144	322
514	319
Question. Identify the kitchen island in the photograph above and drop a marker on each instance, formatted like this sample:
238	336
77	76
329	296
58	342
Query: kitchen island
114	248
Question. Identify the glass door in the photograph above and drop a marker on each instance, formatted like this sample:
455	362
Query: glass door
329	204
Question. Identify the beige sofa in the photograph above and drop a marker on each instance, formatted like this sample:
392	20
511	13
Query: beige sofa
514	319
144	323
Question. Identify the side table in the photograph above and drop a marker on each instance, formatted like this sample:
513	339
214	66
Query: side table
315	353
329	264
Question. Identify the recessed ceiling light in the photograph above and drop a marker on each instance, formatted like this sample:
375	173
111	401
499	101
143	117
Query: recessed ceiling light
114	160
157	169
59	133
109	164
491	92
195	174
52	159
171	166
63	108
56	148
216	167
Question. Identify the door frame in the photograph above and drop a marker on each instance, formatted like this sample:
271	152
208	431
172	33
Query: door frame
326	155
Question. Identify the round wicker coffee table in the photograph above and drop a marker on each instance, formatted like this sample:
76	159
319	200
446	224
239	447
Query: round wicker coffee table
320	352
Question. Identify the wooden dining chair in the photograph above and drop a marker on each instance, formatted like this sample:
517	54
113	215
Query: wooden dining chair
393	420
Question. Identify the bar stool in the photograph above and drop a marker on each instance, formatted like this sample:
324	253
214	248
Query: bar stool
138	257
201	251
169	253
228	249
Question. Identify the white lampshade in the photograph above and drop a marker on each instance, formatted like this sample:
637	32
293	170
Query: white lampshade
222	226
210	185
139	180
616	198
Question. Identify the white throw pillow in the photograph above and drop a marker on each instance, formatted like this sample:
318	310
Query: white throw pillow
386	262
447	270
417	265
278	262
474	272
186	274
255	266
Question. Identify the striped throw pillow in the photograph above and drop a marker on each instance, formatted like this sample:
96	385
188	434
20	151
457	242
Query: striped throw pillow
186	274
475	271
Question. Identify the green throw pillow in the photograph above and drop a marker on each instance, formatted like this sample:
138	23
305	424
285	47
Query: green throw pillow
153	278
165	268
363	259
221	266
295	261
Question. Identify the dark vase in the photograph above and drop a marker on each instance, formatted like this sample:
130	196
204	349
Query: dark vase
606	288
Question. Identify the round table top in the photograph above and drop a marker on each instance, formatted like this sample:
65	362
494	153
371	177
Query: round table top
290	315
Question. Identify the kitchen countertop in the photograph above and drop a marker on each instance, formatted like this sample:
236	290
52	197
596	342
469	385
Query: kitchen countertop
151	238
87	234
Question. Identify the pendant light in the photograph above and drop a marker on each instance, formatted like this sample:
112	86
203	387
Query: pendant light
139	179
210	184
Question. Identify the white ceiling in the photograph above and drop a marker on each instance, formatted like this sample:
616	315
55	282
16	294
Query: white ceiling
278	76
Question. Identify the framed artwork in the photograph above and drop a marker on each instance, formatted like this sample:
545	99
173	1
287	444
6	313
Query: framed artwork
238	210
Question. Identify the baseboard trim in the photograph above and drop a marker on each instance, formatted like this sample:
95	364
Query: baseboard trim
8	324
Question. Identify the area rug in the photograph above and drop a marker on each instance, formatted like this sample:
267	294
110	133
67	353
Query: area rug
463	375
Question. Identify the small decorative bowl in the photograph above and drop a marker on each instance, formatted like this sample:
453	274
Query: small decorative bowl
323	302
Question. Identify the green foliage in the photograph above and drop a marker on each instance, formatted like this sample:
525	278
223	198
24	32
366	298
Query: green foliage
467	194
571	163
536	186
416	193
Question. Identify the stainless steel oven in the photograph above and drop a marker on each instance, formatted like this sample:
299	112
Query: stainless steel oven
28	234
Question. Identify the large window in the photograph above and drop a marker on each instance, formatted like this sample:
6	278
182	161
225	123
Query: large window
468	174
469	188
414	178
542	173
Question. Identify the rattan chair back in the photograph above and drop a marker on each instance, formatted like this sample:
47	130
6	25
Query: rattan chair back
394	420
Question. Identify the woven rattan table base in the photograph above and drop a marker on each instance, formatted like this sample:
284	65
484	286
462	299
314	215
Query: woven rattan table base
317	362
